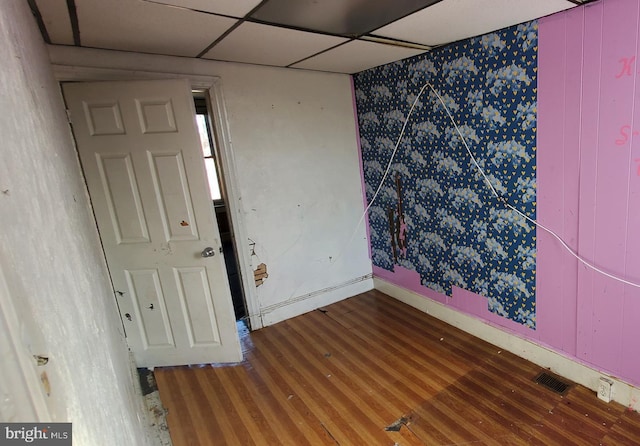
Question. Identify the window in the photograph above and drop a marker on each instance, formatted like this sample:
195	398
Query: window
204	129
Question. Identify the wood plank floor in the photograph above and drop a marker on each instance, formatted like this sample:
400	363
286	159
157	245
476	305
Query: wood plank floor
341	375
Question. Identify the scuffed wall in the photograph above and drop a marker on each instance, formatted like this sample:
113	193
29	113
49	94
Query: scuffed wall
50	254
434	214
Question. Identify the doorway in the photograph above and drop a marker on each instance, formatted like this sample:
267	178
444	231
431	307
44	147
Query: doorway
141	155
218	197
212	88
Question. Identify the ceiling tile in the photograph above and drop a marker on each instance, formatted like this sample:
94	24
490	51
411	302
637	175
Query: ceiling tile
355	56
452	20
234	8
55	16
147	27
269	45
349	18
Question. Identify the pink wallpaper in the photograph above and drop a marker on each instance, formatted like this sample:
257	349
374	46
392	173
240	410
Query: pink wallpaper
588	179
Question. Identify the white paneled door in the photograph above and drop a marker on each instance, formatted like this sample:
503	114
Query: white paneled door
142	159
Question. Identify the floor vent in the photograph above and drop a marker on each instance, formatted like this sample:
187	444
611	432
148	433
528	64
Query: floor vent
552	383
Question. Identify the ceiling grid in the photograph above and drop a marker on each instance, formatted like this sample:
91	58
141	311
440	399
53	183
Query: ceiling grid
343	36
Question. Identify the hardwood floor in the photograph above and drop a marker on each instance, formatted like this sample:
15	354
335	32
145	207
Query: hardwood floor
341	375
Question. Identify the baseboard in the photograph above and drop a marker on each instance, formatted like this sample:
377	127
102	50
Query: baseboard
156	413
567	367
148	414
303	304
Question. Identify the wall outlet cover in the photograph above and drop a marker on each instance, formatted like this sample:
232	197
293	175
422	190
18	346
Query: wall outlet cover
604	389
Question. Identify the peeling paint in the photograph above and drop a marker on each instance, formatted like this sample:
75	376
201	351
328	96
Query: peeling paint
41	360
260	273
397	225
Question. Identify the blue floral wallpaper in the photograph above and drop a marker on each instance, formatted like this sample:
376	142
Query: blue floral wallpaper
435	214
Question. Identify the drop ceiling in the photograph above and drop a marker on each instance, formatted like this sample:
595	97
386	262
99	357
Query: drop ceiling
343	36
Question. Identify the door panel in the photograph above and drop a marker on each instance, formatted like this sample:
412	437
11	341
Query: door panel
173	196
122	198
199	317
146	292
142	159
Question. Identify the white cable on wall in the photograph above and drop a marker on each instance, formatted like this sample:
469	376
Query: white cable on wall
487	181
395	149
384	176
489	185
509	206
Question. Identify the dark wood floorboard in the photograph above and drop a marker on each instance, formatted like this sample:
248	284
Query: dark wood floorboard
343	374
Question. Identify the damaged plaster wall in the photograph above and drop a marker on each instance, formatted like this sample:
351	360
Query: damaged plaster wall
293	136
295	140
50	254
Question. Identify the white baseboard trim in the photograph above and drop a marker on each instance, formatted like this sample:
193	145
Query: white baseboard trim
569	368
303	304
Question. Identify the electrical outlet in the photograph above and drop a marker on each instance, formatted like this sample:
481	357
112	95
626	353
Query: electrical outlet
604	389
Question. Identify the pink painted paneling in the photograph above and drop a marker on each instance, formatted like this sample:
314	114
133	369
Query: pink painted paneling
608	161
571	186
476	305
409	280
550	174
628	344
589	131
616	107
559	53
605	36
630	360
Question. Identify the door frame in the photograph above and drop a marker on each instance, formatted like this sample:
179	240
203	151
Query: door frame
213	86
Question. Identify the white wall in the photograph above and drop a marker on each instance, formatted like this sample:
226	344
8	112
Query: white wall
294	140
50	255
